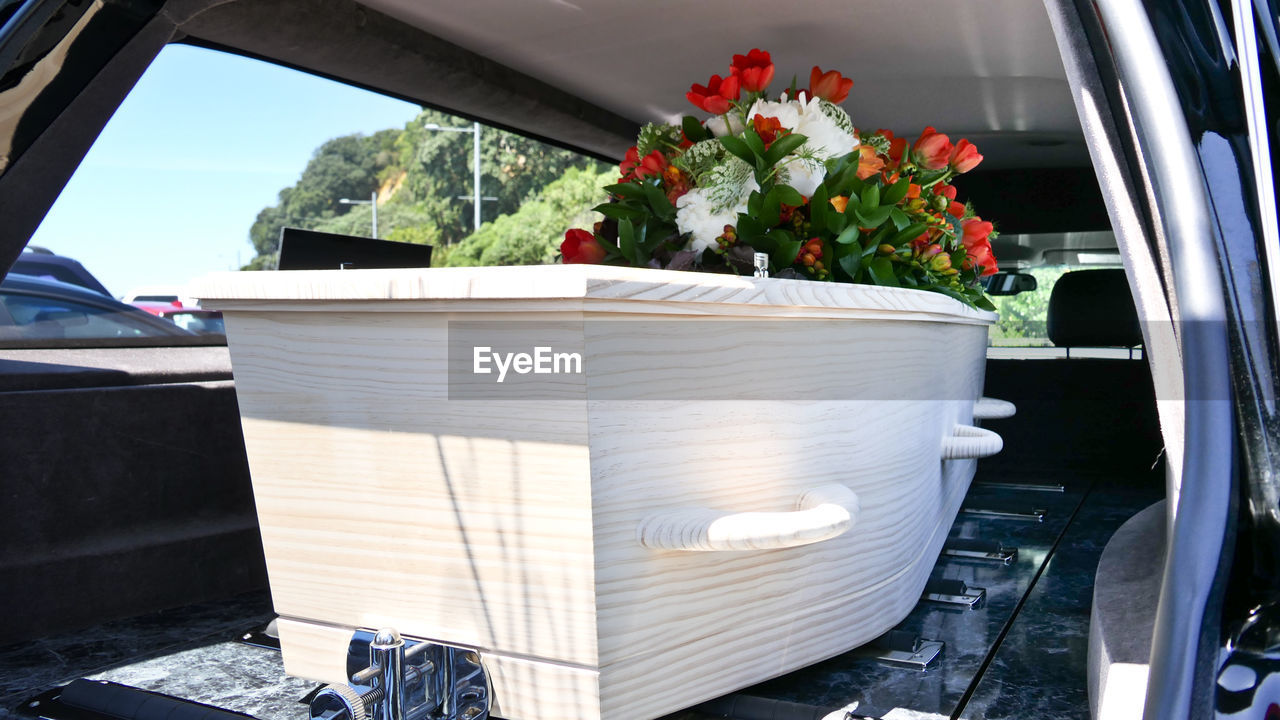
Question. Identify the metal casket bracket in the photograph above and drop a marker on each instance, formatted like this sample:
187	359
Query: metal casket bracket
391	677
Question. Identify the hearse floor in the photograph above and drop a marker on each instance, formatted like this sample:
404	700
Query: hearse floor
1022	653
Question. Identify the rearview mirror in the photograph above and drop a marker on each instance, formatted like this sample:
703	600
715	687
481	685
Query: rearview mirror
1011	283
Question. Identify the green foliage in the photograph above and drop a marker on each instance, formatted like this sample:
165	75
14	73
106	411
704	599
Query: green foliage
1023	316
419	175
345	167
532	234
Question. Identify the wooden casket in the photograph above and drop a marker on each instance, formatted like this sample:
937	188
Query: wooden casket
743	477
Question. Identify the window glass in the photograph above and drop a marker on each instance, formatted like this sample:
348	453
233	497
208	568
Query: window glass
213	154
1022	330
43	318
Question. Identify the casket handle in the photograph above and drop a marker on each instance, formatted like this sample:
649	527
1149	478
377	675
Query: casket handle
992	409
822	513
968	442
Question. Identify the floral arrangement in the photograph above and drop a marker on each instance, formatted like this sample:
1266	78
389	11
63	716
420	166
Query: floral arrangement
794	179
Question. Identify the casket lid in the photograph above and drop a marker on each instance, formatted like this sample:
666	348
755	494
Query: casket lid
588	287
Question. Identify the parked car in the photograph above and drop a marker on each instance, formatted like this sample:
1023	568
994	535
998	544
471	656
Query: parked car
170	294
47	264
40	309
196	320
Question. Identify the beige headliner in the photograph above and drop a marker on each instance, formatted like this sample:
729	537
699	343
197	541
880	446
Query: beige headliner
988	70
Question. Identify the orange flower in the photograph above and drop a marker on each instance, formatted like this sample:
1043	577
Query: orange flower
715	97
830	86
768	128
869	164
977	246
840	202
754	70
580	246
964	157
676	182
932	150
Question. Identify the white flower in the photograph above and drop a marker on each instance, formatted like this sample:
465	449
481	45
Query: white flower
787	112
826	138
717	125
694	215
804	174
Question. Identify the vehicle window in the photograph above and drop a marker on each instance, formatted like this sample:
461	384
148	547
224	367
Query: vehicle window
37	317
231	150
1022	331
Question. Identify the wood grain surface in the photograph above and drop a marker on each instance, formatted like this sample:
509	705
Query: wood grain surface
389	496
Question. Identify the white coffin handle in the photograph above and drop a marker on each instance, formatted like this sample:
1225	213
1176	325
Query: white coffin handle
992	409
968	442
822	513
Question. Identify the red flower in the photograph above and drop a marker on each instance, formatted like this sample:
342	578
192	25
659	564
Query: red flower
634	167
964	157
580	246
754	70
830	86
716	96
945	190
897	146
977	246
932	150
768	128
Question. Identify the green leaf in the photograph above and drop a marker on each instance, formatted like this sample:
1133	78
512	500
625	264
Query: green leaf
662	207
873	218
850	184
618	211
881	271
784	256
627	241
739	148
770	209
749	229
905	236
631	191
783	147
819	206
848	235
755	143
896	192
788	195
871	197
693	129
850	263
899	218
836	222
984	303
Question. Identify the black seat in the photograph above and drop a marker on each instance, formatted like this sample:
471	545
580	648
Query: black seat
1093	308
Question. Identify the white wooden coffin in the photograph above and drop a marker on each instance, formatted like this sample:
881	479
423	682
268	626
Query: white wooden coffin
749	475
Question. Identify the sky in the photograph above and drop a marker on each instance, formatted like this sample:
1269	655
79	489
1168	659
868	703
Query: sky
203	143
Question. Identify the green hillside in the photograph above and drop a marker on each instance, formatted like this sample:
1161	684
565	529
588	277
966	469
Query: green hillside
419	173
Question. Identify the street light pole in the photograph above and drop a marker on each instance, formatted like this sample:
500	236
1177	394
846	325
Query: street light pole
373	201
475	155
475	183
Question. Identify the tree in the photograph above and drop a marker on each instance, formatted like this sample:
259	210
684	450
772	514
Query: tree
345	167
424	182
1023	316
532	234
